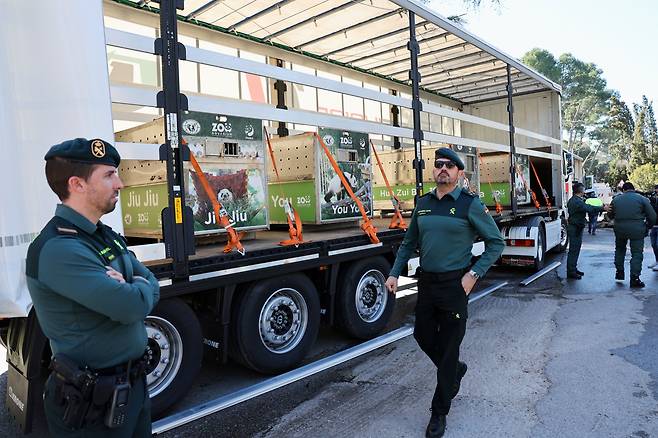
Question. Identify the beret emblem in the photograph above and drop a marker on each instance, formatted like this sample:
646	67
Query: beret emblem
98	148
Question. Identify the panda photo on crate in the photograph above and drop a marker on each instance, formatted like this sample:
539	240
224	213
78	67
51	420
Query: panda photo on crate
336	188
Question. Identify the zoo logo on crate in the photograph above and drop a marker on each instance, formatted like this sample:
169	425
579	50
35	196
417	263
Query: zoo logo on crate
249	130
328	140
221	128
362	143
191	126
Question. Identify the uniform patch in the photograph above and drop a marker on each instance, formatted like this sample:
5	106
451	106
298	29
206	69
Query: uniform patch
423	212
452	210
98	148
64	230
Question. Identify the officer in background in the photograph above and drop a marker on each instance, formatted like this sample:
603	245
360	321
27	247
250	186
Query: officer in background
91	296
444	226
594	201
633	215
577	209
653	235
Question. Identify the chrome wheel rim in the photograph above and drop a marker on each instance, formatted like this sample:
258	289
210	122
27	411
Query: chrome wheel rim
283	320
371	296
164	354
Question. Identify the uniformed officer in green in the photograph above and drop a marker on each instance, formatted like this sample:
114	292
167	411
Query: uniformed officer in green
633	216
577	209
444	226
91	296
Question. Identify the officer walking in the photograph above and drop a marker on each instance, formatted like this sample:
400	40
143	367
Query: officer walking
653	235
593	200
91	296
633	215
577	208
444	226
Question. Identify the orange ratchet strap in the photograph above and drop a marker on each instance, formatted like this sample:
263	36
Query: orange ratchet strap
499	207
221	215
397	222
294	221
543	191
527	187
367	226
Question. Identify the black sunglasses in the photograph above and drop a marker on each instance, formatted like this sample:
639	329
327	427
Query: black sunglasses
448	164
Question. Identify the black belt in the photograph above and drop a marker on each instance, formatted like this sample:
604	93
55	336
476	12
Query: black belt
443	276
135	368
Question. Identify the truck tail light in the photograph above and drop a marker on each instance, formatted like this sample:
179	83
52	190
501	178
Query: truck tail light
520	242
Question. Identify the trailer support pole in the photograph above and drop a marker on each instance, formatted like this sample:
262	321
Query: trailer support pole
512	149
414	77
177	218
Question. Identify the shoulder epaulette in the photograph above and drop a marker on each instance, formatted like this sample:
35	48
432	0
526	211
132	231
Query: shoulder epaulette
69	231
471	194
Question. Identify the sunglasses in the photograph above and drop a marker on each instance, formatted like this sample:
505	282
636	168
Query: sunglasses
441	163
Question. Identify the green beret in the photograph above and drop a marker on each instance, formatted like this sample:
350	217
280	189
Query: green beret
450	155
94	151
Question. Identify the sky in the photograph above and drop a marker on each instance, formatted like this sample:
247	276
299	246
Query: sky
618	36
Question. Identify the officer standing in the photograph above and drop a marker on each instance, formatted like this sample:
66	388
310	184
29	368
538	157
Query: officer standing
444	226
653	235
633	215
577	209
91	296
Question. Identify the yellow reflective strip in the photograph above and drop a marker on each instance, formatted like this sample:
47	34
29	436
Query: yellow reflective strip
178	209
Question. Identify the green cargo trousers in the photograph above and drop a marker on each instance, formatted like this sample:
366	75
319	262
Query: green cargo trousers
575	234
637	253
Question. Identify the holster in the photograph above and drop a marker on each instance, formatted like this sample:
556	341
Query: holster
86	393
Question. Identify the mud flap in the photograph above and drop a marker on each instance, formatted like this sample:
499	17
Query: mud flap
25	347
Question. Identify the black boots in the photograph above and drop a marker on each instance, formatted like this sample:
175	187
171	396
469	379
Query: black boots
436	427
636	282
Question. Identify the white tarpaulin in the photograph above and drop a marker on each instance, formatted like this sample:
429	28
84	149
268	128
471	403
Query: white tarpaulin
40	106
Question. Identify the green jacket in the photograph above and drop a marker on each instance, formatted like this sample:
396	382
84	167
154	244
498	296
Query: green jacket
577	209
87	315
633	214
445	230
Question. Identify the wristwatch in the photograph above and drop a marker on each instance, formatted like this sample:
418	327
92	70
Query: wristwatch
474	274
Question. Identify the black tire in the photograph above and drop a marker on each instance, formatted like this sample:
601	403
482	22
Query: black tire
564	238
540	256
276	321
363	304
175	349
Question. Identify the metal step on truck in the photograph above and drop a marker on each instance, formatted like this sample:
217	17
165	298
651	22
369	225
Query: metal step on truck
270	109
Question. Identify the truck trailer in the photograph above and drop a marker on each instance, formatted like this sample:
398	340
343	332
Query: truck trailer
389	71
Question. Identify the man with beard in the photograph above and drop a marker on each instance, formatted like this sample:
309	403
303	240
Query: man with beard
91	296
444	226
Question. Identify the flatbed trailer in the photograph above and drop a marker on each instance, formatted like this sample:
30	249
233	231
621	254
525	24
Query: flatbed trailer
430	83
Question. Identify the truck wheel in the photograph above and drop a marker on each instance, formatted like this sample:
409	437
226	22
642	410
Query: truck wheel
364	305
564	238
276	323
175	350
540	256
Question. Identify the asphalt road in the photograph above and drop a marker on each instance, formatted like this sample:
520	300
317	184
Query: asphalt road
560	358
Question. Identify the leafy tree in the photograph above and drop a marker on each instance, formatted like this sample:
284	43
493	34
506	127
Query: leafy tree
644	177
584	93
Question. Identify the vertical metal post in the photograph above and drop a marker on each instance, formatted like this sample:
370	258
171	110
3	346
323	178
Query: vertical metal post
416	105
512	149
281	88
177	217
395	120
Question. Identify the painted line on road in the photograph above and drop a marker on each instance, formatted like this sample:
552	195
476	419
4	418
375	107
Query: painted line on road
244	394
538	274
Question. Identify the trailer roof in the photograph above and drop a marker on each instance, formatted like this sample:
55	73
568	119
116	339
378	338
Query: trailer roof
372	36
